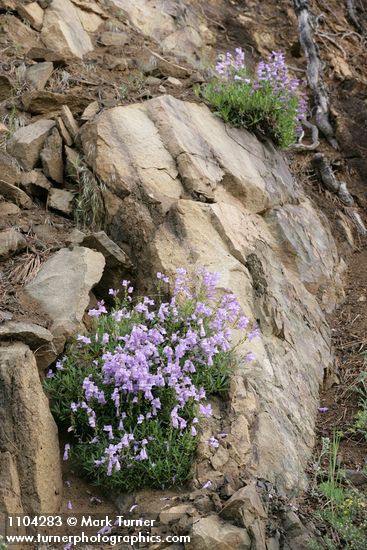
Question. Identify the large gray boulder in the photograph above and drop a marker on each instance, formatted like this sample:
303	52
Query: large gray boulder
11	242
63	32
26	143
62	287
183	189
30	471
211	533
179	27
38	338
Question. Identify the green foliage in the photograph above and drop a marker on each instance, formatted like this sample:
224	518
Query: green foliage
89	208
261	111
360	420
343	509
105	387
267	101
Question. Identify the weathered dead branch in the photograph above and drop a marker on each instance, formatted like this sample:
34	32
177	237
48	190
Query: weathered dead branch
330	181
352	16
300	146
357	220
314	70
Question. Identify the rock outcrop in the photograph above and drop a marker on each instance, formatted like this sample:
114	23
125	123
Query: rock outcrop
211	534
26	143
205	193
63	32
176	26
62	286
30	471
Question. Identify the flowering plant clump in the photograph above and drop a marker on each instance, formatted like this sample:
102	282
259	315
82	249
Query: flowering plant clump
133	392
267	100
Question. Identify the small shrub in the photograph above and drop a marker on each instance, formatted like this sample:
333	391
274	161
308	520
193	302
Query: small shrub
360	420
89	210
267	101
343	509
134	391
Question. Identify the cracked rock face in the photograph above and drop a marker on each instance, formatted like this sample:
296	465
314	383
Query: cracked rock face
30	470
63	31
176	26
61	287
183	189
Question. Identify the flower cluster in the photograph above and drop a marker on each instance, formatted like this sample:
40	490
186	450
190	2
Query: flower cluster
135	390
267	99
231	66
275	73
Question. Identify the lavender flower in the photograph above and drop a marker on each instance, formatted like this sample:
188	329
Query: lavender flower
253	334
83	339
206	410
113	292
207	485
99	311
213	442
149	371
66	451
105	530
267	98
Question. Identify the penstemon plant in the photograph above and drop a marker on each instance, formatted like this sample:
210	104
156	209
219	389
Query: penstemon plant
267	100
133	393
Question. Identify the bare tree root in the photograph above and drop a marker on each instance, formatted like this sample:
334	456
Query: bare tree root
300	146
314	70
325	173
357	220
352	16
329	180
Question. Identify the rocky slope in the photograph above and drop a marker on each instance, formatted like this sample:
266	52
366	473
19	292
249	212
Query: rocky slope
100	125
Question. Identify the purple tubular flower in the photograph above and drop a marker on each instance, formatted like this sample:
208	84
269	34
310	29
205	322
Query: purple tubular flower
144	353
98	311
105	530
323	409
243	322
253	334
66	451
207	485
206	410
113	292
83	339
60	364
213	442
109	430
